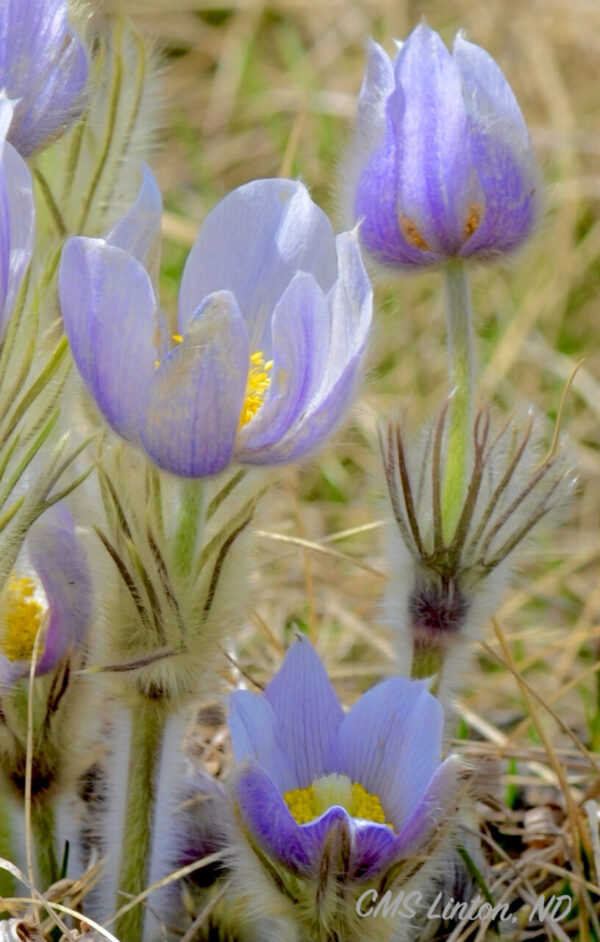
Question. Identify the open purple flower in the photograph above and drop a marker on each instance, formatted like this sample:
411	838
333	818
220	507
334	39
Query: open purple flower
274	313
442	164
17	218
43	69
49	589
368	786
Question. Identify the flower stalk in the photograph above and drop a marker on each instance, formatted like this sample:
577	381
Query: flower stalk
7	839
44	840
148	723
462	382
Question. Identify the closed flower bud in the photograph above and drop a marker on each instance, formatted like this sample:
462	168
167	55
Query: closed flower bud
441	164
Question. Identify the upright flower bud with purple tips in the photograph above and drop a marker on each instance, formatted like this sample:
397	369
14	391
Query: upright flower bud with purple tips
339	805
442	164
274	314
43	69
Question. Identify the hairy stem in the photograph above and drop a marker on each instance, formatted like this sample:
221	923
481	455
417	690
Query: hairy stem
188	525
146	738
461	374
8	841
42	829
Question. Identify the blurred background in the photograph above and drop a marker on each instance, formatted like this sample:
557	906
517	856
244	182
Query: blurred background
255	89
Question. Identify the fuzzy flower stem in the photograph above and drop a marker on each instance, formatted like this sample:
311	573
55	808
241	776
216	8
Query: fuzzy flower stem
188	523
146	738
42	829
461	373
7	840
427	661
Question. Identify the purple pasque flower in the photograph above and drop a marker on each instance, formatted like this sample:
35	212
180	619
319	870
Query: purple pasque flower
274	314
43	69
50	589
371	780
17	218
442	164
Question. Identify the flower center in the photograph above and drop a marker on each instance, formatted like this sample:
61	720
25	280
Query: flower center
306	804
21	617
256	386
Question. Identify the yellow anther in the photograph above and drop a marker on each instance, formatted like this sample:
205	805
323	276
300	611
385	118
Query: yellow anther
156	364
473	219
306	804
412	234
257	384
20	618
178	338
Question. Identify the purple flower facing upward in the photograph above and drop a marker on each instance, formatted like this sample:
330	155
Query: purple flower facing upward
50	589
17	218
365	789
274	314
43	69
442	164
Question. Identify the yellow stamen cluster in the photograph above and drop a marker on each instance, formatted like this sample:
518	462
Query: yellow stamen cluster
21	616
306	804
256	386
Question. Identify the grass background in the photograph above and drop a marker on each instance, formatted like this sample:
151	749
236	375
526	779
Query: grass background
259	89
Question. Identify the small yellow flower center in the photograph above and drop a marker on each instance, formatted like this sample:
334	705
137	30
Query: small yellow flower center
20	618
306	804
256	386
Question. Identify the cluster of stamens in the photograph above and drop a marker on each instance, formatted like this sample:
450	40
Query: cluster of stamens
306	804
256	386
21	616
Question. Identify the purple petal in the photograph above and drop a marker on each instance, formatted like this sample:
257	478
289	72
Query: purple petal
195	396
487	95
138	232
337	349
254	735
401	752
301	328
111	319
61	563
378	84
307	710
501	152
268	818
436	174
376	203
44	65
436	807
509	201
17	220
252	244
